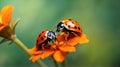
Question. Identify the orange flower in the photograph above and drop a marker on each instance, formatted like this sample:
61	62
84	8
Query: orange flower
49	50
36	54
59	56
5	16
60	48
7	31
72	39
66	43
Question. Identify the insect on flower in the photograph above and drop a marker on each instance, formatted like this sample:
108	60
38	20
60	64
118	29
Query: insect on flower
71	35
64	43
43	44
44	38
69	26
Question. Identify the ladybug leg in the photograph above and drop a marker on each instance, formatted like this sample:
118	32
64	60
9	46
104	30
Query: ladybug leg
76	34
66	38
49	42
42	50
53	41
42	46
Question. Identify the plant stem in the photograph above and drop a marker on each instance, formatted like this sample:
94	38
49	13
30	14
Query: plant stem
63	64
25	49
56	64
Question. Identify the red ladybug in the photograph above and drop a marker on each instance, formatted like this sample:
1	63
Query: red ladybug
69	26
44	38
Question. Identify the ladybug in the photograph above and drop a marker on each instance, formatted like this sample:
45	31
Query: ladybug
44	38
69	26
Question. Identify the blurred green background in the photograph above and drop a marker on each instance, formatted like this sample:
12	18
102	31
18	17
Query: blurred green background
99	19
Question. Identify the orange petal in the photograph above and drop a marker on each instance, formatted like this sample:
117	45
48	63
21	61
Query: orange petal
2	26
68	48
40	54
6	14
83	39
78	40
34	58
61	37
59	56
32	50
46	54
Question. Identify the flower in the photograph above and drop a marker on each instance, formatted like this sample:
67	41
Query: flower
41	53
5	16
7	31
59	49
59	56
66	43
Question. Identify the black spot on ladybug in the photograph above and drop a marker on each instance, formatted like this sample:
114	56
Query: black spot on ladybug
69	26
39	35
41	38
42	31
37	41
70	19
78	28
75	27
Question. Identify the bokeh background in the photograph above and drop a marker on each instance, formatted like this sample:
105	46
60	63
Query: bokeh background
99	19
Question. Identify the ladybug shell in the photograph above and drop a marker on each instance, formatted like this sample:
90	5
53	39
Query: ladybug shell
72	25
41	38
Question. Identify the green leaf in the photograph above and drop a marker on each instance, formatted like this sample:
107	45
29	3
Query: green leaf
3	40
15	24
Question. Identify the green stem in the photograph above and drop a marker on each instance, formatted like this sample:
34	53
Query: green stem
63	64
56	64
25	49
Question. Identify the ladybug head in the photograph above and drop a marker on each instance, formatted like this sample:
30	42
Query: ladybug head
60	27
51	35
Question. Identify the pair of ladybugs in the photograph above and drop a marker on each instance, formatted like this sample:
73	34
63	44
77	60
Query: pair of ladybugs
66	25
